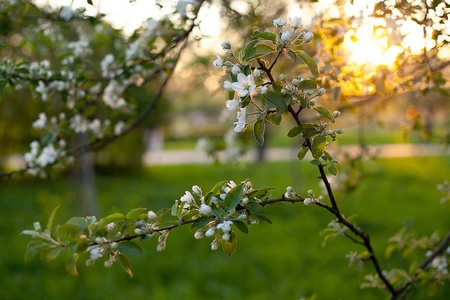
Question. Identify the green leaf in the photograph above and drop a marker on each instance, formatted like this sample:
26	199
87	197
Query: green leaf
90	2
265	36
309	132
318	146
264	218
111	218
89	111
315	162
129	248
332	170
214	191
276	100
233	197
71	264
135	212
229	247
255	208
54	253
258	130
292	55
241	226
274	119
124	261
249	47
52	218
48	138
312	66
200	222
307	84
297	130
324	112
301	154
258	51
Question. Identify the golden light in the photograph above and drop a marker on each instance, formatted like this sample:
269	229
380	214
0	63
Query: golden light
370	48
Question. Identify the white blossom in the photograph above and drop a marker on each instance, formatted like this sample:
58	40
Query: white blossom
245	85
240	124
296	22
232	104
307	201
262	90
218	63
152	216
285	36
226	236
108	60
205	210
236	69
187	197
225	226
118	128
41	122
279	22
227	85
48	156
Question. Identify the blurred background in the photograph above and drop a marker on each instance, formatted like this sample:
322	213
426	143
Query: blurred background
385	65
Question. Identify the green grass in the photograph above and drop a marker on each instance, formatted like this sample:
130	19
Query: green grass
280	261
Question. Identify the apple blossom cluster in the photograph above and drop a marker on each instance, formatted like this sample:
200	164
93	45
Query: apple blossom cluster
40	157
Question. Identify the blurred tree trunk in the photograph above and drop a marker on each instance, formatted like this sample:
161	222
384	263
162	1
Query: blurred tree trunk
261	150
84	181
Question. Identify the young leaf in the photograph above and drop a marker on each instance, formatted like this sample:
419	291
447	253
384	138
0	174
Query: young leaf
312	66
125	263
301	154
265	36
52	218
258	130
249	47
274	119
307	84
111	218
332	170
200	222
324	112
229	247
276	100
318	146
241	226
296	131
135	212
255	208
233	197
258	51
71	264
292	55
129	248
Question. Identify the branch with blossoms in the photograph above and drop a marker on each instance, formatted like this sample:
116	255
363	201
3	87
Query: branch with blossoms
260	97
82	95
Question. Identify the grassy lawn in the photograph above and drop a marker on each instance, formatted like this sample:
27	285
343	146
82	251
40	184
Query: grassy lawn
280	261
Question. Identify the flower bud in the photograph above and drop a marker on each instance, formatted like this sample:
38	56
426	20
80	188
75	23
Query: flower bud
312	102
256	74
245	200
308	37
108	263
99	240
318	116
226	236
295	82
215	245
262	90
152	216
139	231
226	45
236	69
228	64
199	234
210	232
283	91
311	193
336	114
229	53
321	92
113	245
320	198
197	190
205	210
307	201
282	77
37	226
339	131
